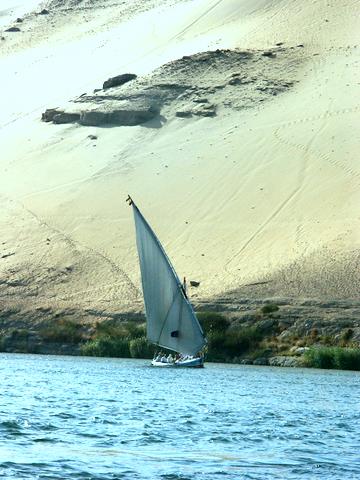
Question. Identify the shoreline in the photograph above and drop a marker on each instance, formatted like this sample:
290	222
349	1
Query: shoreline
276	361
275	332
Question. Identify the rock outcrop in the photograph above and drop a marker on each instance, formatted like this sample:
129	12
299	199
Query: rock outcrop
126	116
184	88
118	80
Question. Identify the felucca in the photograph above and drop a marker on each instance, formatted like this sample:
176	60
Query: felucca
171	322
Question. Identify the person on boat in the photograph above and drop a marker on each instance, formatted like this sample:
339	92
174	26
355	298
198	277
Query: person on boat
184	288
170	358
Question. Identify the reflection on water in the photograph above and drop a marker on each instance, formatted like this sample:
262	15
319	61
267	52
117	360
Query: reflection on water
106	419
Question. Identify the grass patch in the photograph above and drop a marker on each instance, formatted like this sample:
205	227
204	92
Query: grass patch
122	340
63	331
333	357
140	348
106	346
227	343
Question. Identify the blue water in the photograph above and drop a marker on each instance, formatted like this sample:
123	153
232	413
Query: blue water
107	419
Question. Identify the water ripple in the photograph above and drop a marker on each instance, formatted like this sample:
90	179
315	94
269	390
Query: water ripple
102	419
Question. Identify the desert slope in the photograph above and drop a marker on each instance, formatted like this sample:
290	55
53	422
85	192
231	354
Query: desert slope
265	191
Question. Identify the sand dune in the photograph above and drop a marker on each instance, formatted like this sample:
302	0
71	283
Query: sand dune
261	191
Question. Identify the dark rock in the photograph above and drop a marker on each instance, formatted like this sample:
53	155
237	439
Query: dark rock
205	113
8	255
261	361
94	118
246	361
201	100
65	117
19	20
119	80
132	117
124	117
50	113
184	114
204	110
300	45
235	81
300	350
13	29
279	44
269	53
267	324
92	137
193	283
284	361
44	12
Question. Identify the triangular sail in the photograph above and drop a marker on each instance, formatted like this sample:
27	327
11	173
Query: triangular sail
171	321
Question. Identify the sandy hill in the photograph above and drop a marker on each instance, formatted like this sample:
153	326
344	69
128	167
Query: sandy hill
245	162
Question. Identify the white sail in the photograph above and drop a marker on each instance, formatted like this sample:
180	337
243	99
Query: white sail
171	320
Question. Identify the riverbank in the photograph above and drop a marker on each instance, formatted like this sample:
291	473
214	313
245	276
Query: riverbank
276	332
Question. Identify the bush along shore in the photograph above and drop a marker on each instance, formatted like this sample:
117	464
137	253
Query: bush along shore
263	337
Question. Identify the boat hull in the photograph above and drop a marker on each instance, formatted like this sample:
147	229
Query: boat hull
191	363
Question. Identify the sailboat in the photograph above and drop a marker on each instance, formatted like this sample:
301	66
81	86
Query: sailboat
171	322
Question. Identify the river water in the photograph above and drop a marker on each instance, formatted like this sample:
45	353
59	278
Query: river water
107	419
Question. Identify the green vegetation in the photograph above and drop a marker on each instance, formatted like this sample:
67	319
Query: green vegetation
124	340
18	339
62	331
227	343
256	334
236	342
333	357
141	348
105	346
269	308
212	322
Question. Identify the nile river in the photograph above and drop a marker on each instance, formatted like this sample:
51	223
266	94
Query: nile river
107	419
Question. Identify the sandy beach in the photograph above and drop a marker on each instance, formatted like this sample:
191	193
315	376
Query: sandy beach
247	169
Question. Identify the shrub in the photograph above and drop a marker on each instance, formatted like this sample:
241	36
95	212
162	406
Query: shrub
225	345
66	331
134	330
347	358
333	357
269	308
105	346
19	333
212	322
241	340
124	329
314	333
140	348
346	336
215	347
320	357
